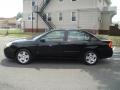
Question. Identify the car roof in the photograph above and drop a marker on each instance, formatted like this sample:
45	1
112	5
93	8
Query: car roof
83	30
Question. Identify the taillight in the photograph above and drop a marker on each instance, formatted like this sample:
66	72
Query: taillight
110	44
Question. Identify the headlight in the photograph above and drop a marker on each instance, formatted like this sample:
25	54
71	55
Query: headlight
8	44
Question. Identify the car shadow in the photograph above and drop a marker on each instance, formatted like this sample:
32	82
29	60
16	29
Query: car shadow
106	72
44	64
52	64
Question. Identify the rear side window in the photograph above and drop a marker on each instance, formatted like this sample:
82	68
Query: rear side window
78	36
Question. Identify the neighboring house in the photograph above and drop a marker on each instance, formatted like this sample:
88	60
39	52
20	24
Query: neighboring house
19	23
8	22
93	15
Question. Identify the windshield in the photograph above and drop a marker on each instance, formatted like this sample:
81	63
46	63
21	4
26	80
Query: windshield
35	37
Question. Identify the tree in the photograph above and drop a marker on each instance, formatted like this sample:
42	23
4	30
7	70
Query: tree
19	15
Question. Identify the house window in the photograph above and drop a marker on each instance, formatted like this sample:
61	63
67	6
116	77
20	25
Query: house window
60	16
33	2
60	0
49	17
31	18
73	16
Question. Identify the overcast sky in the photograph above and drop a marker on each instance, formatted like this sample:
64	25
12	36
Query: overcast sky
9	8
116	18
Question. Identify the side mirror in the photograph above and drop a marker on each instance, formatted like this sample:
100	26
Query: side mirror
42	40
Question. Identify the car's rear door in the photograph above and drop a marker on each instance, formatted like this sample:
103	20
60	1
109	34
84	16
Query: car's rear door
51	44
76	43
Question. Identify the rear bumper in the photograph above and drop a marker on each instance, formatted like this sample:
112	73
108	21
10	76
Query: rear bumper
107	53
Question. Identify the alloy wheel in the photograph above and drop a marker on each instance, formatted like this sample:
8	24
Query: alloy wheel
23	56
90	58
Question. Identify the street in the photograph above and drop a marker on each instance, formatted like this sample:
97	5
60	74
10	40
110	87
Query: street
61	75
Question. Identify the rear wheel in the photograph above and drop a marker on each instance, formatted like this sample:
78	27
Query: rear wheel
23	56
90	58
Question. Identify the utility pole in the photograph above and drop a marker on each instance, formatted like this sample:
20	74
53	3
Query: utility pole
37	19
78	21
33	5
32	21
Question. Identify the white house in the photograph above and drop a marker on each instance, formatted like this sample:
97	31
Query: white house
93	15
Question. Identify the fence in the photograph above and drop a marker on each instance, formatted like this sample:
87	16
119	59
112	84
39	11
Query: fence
114	31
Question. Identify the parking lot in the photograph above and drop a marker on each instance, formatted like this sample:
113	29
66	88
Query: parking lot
59	75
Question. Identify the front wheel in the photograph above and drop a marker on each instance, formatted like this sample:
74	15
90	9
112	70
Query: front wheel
23	56
90	58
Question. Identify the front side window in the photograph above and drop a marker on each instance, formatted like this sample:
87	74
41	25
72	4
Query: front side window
77	36
54	36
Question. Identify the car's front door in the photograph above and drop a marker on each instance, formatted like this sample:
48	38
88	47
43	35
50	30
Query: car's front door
51	44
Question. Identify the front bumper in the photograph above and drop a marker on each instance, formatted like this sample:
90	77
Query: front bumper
9	52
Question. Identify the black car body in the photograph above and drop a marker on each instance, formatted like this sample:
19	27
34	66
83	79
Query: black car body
60	43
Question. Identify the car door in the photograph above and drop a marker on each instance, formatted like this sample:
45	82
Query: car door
51	44
76	42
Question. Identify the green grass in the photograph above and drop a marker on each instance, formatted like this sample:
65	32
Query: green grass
10	31
3	32
16	33
115	39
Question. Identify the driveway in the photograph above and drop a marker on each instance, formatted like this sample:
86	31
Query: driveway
59	74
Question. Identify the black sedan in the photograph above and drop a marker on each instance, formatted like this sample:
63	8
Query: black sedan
60	43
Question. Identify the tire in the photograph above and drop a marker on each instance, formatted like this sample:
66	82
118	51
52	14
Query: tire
23	56
90	58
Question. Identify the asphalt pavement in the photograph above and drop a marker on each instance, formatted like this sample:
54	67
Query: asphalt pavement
59	75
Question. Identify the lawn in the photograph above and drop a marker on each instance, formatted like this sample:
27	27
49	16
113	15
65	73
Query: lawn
10	31
16	33
115	39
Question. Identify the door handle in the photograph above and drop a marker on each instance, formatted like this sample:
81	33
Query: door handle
50	45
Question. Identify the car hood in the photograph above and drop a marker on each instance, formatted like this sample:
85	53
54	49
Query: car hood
23	41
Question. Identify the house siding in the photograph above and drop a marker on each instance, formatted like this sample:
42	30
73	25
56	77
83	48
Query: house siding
88	14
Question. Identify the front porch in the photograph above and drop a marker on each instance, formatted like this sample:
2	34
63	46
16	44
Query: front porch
106	17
